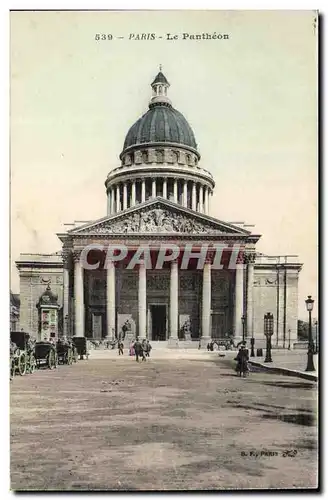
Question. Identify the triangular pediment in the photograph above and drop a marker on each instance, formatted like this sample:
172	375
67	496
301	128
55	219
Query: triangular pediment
155	217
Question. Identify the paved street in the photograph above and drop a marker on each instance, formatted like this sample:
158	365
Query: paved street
166	424
292	360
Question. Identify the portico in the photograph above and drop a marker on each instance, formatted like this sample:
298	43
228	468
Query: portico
177	294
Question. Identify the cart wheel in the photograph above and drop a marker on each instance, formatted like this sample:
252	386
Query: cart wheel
32	364
12	369
51	360
22	364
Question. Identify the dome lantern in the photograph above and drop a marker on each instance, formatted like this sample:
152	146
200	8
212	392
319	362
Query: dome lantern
160	87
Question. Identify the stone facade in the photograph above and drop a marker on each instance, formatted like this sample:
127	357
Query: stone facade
34	280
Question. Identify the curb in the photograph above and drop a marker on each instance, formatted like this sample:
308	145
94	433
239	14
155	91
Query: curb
285	371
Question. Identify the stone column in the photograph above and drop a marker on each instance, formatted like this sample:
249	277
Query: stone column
65	294
78	296
193	197
110	300
143	190
185	194
118	198
133	194
174	292
113	201
142	302
165	188
206	333
201	208
250	283
153	189
239	302
175	191
109	202
206	201
125	196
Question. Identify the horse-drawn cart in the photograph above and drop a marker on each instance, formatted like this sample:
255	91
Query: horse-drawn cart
46	355
65	352
22	353
82	346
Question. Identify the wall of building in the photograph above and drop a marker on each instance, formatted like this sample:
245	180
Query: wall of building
33	282
269	296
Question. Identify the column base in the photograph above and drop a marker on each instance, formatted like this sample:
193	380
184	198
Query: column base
173	342
204	341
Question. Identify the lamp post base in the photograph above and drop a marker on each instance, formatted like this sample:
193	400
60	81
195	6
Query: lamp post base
268	358
252	347
310	365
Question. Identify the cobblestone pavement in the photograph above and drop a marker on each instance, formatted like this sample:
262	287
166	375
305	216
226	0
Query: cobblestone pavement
161	425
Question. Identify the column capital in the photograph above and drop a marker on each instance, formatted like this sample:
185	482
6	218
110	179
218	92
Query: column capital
66	256
249	257
76	254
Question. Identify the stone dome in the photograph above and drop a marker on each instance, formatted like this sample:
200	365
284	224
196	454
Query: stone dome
162	123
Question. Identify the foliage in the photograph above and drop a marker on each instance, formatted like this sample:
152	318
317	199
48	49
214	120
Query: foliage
302	330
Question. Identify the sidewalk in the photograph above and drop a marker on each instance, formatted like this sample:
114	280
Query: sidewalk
291	363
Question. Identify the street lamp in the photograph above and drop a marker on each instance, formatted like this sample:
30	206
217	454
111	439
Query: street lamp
67	325
316	337
310	365
252	345
268	332
243	322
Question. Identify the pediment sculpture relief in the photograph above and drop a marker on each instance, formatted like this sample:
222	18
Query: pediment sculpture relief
156	220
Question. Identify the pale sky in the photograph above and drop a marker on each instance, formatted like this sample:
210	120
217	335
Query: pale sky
251	101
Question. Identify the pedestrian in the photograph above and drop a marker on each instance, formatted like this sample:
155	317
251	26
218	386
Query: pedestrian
242	359
138	349
120	347
148	348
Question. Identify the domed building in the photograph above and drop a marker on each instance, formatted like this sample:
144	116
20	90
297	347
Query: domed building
159	158
159	265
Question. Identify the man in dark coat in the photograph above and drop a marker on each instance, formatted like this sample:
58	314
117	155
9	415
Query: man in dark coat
242	358
138	349
147	347
120	347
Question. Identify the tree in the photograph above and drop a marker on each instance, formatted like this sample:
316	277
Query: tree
302	330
